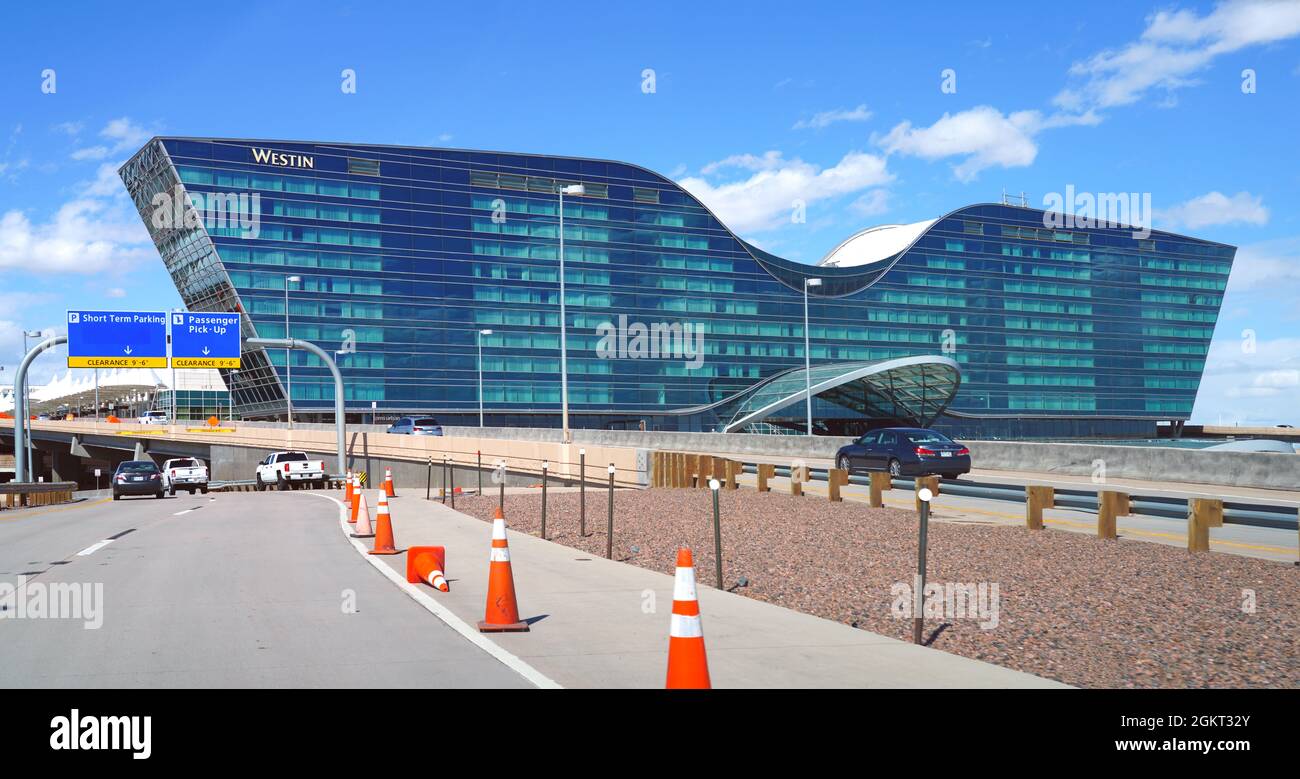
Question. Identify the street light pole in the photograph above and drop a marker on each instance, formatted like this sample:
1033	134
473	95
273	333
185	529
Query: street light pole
27	402
807	354
479	338
571	189
234	376
288	354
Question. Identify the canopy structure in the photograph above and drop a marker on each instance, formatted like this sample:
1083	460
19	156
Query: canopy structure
916	389
117	385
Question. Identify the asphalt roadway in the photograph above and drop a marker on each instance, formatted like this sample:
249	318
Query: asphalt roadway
219	590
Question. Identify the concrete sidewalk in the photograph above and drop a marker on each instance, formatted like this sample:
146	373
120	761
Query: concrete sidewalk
598	623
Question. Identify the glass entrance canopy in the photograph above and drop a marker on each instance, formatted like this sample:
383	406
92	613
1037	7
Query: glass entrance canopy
917	389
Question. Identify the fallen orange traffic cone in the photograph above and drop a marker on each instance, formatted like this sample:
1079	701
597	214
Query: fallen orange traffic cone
356	498
363	519
426	564
688	668
383	529
388	483
502	612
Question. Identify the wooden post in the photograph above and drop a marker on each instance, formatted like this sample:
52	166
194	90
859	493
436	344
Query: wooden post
835	478
1202	514
708	470
692	468
925	481
765	472
1110	505
797	475
734	468
1038	498
880	483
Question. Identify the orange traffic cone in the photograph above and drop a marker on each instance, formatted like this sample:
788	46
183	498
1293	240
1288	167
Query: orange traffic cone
383	529
388	483
502	612
347	489
363	519
688	668
356	498
426	564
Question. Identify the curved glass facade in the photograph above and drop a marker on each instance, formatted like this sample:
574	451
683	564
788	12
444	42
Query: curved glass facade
408	253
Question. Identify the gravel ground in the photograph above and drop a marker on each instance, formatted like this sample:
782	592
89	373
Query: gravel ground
1074	608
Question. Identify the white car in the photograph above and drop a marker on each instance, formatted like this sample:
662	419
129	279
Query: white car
185	473
286	469
153	418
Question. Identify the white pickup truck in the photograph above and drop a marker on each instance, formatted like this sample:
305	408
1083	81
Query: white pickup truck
286	469
185	473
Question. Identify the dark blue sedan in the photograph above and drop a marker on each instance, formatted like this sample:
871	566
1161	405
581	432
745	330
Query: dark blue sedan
905	451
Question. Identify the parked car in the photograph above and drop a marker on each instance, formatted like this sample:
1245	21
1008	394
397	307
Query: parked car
137	477
905	451
185	473
153	418
416	426
285	469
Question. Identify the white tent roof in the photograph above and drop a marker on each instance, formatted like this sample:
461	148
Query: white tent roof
875	244
116	384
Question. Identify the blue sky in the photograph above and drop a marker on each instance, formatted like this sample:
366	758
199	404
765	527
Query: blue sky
753	105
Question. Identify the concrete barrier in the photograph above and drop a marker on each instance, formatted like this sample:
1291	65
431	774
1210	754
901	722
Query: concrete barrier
1148	463
530	445
235	454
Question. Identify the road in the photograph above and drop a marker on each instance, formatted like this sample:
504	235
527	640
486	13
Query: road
222	590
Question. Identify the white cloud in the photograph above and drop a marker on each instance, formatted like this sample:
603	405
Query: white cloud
91	153
766	199
827	118
122	135
84	236
1260	387
127	134
115	292
106	183
1214	208
1174	47
872	203
768	161
1272	266
70	128
982	135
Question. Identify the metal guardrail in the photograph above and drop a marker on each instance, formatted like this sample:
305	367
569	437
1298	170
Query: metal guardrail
1234	512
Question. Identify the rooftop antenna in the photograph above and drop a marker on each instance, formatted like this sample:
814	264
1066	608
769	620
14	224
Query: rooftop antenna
1004	196
1024	201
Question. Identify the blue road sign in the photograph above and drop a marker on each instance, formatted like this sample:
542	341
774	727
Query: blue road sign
117	339
205	340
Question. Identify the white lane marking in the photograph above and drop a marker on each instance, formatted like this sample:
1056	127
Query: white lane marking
186	511
94	547
467	631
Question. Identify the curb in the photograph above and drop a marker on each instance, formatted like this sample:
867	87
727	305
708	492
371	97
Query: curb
467	631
